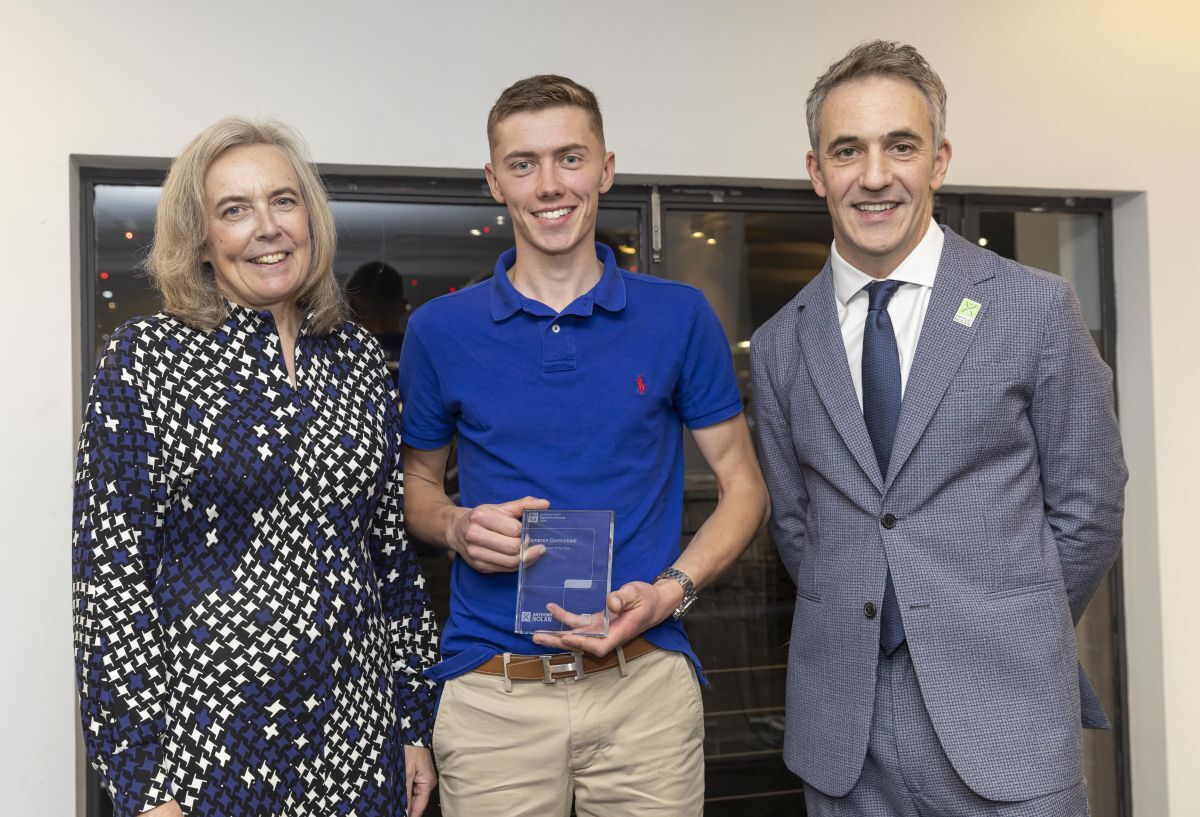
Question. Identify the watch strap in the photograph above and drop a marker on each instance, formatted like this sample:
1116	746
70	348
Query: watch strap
689	590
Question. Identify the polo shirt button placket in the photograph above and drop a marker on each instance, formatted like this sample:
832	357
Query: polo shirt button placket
558	349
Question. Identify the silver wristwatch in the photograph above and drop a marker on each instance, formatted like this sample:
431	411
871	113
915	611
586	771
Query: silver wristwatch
689	590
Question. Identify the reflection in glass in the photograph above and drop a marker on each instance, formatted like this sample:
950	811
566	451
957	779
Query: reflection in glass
123	227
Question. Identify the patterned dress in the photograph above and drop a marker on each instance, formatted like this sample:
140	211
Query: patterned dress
250	625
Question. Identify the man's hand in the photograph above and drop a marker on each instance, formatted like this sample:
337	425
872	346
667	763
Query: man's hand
167	809
488	536
633	609
419	778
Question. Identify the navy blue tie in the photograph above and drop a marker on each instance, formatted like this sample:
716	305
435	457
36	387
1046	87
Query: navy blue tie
881	410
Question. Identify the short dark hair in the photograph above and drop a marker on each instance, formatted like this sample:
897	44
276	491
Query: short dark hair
880	58
540	92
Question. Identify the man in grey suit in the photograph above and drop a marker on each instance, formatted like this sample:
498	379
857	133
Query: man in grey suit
938	436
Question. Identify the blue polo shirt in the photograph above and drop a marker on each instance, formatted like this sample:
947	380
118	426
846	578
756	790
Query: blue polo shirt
585	408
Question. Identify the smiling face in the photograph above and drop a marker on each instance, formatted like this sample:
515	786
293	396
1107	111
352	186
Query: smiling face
877	169
549	167
258	241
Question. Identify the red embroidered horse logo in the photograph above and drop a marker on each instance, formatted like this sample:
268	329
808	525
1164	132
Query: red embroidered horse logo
641	384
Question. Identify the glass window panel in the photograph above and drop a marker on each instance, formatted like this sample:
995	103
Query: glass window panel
1067	244
749	265
123	227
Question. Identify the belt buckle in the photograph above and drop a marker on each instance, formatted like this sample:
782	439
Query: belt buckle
549	670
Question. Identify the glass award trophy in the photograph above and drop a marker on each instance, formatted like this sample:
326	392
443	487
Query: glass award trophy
574	572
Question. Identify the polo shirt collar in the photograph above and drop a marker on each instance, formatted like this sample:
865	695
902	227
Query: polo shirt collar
608	293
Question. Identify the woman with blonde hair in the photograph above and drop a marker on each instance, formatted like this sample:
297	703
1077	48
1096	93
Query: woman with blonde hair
250	625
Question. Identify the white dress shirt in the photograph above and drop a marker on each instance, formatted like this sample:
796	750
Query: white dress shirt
906	308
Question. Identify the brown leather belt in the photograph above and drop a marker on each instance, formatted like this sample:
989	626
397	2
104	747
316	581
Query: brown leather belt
561	666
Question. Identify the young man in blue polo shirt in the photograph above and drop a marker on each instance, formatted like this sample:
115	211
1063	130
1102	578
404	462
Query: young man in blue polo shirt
567	382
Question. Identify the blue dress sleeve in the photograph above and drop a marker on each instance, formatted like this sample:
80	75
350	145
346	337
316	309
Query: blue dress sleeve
120	494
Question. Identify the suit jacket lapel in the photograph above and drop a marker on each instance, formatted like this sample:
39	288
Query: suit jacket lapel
820	340
942	345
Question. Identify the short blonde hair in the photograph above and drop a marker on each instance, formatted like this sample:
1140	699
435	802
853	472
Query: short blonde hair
187	284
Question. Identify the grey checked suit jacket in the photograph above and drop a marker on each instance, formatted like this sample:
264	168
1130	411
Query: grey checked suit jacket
1007	483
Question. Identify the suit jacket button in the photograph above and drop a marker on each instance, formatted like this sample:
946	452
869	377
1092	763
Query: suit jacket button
889	521
869	609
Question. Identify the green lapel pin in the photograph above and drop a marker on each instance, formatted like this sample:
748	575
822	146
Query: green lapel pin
967	311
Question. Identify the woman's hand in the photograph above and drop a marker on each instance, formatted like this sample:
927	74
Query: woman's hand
167	809
419	778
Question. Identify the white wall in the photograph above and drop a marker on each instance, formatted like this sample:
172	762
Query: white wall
1075	96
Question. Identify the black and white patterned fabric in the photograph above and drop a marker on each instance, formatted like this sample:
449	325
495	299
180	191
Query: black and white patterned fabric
250	626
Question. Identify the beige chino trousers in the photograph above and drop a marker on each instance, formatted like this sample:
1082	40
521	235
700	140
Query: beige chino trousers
631	745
